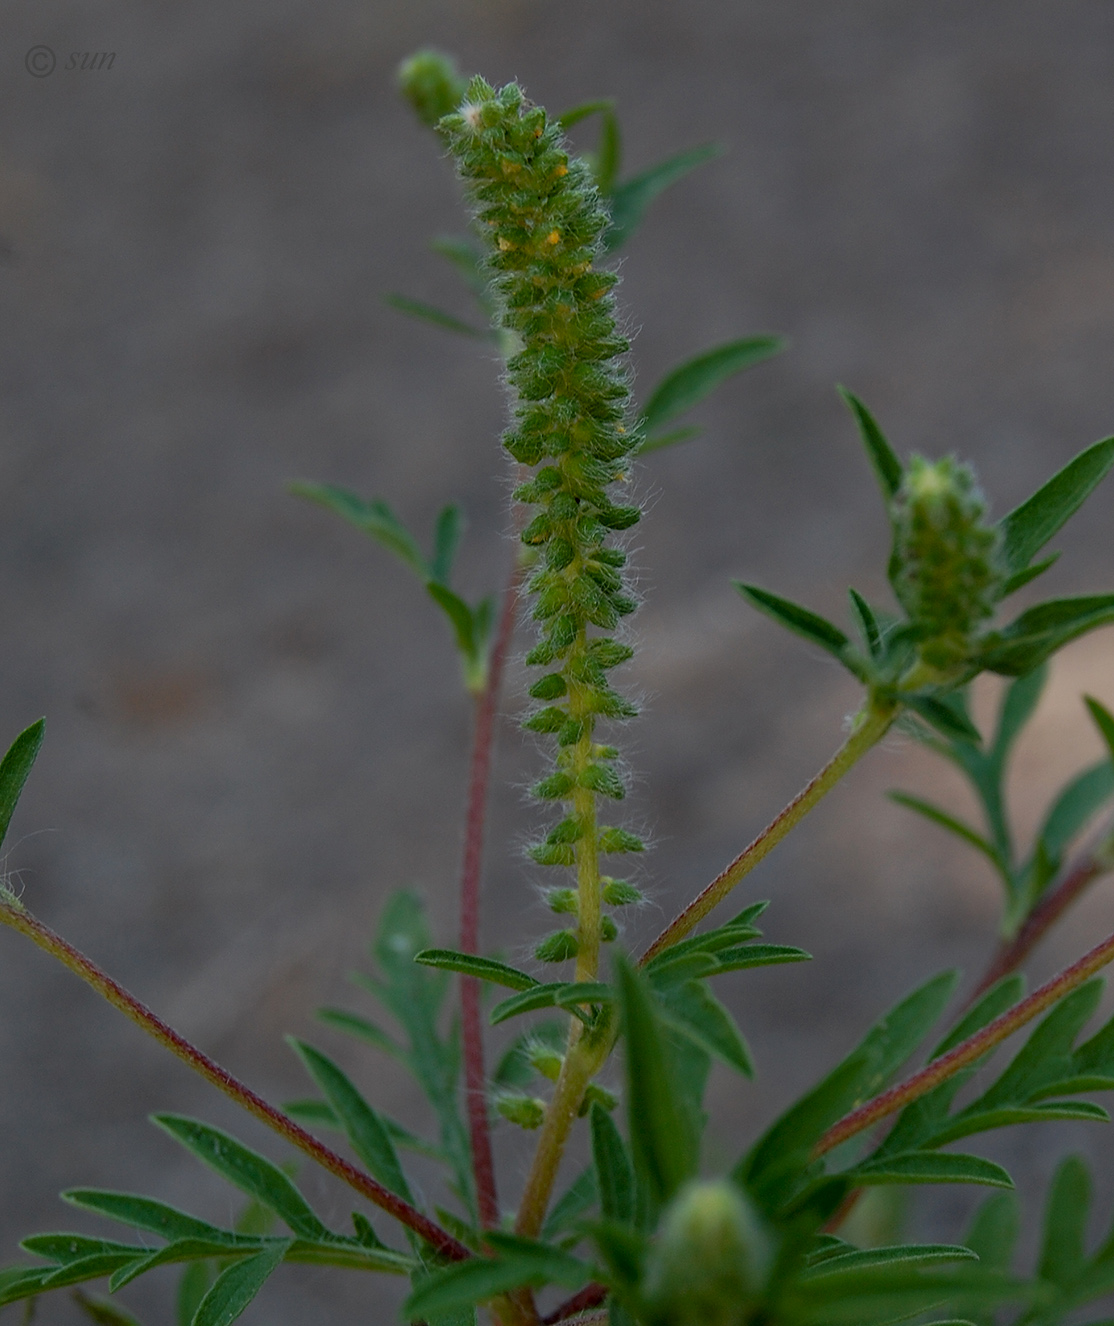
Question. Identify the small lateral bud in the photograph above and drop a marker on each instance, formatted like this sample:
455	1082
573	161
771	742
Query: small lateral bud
432	84
557	947
524	1111
546	1060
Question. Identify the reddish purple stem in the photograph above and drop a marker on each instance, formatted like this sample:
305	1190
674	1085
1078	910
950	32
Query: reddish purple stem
20	919
475	1083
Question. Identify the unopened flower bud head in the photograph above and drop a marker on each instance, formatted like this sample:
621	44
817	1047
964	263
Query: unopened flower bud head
432	84
711	1260
950	572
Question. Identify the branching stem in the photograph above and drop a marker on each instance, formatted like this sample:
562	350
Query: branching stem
870	726
968	1051
13	914
1012	953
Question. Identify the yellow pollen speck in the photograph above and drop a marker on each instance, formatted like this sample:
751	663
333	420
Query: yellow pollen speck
554	237
561	170
504	244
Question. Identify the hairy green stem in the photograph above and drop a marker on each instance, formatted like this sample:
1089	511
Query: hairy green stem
870	726
587	1050
15	915
968	1051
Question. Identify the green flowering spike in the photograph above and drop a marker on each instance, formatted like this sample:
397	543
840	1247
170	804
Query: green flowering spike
432	84
542	220
949	575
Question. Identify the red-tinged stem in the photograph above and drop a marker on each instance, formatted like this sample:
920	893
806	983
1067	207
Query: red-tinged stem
15	915
475	1086
968	1051
591	1296
870	727
1044	915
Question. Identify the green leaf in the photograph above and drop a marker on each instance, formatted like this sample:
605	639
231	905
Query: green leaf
949	822
1038	633
22	1282
415	994
459	615
418	308
1021	578
183	1250
694	1011
15	767
905	1254
887	468
247	1170
668	439
193	1285
446	538
1063	1253
798	619
236	1286
698	377
946	718
577	113
757	955
468	262
630	200
931	1167
375	518
362	1029
614	1174
1075	805
148	1214
994	1231
868	623
366	1130
538	996
1019	702
518	1262
571	1205
470	964
1104	721
103	1311
661	1141
774	1167
1027	528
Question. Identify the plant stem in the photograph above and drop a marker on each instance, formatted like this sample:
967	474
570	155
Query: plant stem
974	1047
584	1056
12	913
475	1087
1011	953
870	725
591	1296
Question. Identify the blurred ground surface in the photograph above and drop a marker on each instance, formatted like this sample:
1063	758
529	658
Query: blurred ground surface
255	726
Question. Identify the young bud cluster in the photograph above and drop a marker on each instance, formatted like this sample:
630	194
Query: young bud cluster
541	214
950	574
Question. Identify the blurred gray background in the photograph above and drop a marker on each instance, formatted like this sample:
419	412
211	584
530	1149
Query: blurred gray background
255	724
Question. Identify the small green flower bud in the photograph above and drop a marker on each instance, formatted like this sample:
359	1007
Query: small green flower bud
432	84
711	1260
950	571
619	840
609	931
562	901
545	1060
557	947
525	1111
618	893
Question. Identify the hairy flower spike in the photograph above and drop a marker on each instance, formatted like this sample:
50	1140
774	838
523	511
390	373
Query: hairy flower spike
542	219
950	573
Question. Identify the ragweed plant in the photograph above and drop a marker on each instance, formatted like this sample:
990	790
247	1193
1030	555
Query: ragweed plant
640	1236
